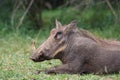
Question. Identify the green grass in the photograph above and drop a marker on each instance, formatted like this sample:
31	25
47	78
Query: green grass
15	50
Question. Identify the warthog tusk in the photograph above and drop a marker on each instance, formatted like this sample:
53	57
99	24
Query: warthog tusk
33	46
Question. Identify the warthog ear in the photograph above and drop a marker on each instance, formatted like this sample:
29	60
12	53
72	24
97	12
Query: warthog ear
71	26
73	23
58	24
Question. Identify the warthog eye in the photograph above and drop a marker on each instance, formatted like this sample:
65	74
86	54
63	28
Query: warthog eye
58	35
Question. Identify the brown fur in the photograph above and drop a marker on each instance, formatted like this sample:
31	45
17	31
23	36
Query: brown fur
102	42
79	50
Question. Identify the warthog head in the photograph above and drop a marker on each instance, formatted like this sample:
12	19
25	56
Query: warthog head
55	45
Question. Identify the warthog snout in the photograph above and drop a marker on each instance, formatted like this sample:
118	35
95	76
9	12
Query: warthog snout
39	55
38	59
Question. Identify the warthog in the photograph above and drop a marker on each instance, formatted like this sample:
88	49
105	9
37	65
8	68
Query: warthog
79	51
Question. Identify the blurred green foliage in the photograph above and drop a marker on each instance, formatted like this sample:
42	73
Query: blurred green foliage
95	18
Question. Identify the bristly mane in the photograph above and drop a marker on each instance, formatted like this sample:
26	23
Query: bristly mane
102	42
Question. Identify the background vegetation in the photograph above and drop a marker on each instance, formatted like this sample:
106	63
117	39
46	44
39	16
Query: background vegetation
24	21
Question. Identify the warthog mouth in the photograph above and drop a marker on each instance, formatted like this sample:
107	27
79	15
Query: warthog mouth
38	60
43	57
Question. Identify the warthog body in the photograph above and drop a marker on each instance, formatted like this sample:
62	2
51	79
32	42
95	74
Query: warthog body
79	50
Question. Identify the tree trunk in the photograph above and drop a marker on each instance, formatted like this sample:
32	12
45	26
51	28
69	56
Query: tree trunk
35	13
